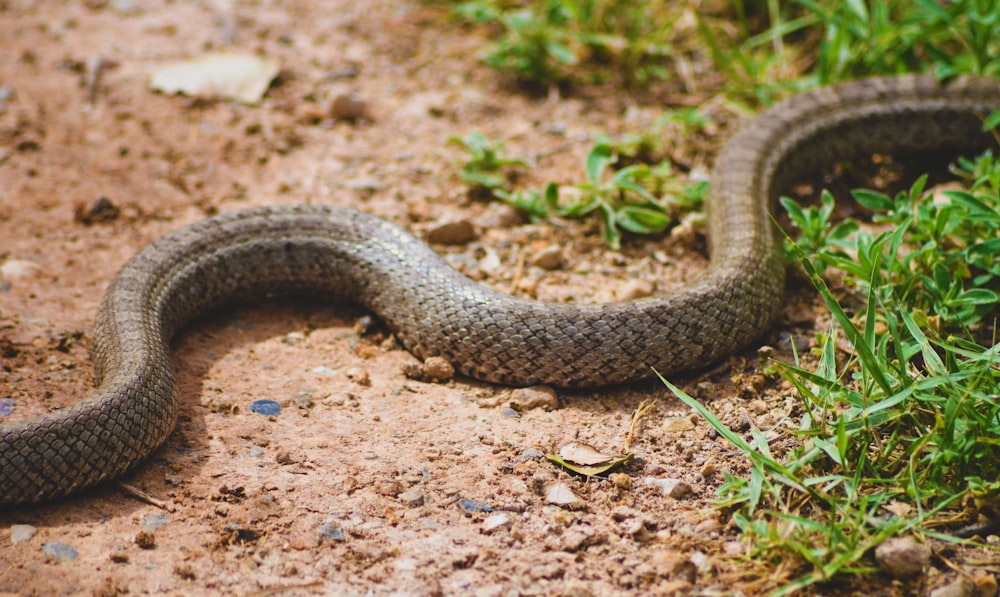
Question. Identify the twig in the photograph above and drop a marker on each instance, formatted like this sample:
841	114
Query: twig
645	407
142	495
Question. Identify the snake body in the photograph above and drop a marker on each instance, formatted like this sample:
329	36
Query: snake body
331	252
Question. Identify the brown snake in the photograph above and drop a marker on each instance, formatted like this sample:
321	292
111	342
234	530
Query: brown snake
433	310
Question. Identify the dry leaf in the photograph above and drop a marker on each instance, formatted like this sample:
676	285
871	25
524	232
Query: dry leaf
240	77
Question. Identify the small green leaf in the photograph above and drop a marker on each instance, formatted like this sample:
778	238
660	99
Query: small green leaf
978	296
611	234
642	220
873	200
992	121
598	160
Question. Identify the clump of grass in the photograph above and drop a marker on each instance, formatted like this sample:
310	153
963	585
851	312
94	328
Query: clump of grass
913	417
776	46
806	43
487	168
638	198
552	41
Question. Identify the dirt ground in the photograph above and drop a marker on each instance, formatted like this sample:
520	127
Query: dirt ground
367	482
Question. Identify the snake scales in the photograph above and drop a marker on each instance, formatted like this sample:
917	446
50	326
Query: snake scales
433	310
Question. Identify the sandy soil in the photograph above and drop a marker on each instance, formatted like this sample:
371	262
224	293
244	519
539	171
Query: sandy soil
358	487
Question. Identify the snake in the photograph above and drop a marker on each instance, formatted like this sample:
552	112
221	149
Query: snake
335	253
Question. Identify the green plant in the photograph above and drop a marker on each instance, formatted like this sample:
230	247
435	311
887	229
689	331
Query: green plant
912	420
851	39
537	44
624	198
549	41
619	198
486	167
943	250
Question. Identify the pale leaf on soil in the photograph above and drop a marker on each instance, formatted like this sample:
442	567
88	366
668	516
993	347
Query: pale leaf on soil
233	76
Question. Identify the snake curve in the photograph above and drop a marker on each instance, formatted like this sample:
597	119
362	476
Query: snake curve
433	310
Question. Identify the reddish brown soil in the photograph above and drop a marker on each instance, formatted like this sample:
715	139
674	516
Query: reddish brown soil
326	497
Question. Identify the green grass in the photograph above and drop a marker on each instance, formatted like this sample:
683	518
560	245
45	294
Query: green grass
904	431
637	198
759	51
555	41
762	48
913	417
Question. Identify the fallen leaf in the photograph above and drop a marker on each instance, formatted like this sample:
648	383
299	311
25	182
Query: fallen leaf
240	77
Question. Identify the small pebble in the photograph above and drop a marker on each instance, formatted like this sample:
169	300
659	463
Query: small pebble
454	232
268	408
438	370
902	557
677	424
524	399
577	538
348	106
59	552
532	454
7	406
413	497
549	258
413	371
474	506
801	342
510	413
359	376
636	289
100	209
705	389
19	269
674	488
324	370
496	521
145	539
390	488
237	532
20	533
489	401
303	399
652	469
293	338
329	531
675	565
500	215
621	481
364	184
365	350
151	522
633	526
123	6
959	587
560	494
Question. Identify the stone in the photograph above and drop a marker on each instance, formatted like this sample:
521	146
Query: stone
902	557
530	398
549	258
451	232
636	289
